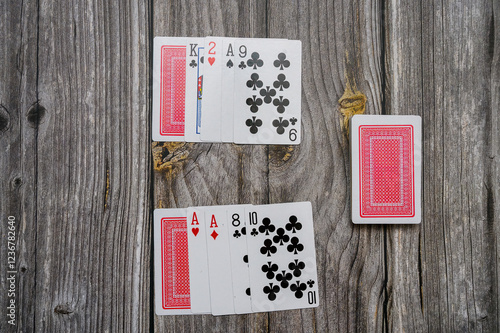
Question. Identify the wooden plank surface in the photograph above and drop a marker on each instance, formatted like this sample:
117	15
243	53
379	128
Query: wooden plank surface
81	178
83	160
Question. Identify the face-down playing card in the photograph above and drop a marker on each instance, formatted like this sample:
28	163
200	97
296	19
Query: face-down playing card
169	88
267	91
172	294
386	168
282	257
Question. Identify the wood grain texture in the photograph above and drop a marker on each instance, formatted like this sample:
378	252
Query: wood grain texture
85	238
18	138
78	175
458	231
443	272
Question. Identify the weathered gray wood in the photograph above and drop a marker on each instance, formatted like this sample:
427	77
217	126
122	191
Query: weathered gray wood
84	168
18	138
75	164
443	274
403	94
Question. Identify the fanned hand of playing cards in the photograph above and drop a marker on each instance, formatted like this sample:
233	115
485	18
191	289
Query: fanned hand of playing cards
235	259
220	89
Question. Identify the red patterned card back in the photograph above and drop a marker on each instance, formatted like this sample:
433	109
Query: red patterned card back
172	90
175	263
387	187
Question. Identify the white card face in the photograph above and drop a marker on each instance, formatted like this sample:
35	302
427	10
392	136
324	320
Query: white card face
267	91
212	80
219	261
194	89
198	260
386	155
282	257
171	260
169	72
227	89
239	257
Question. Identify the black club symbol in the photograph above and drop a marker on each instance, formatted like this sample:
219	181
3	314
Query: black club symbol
269	269
281	82
281	61
229	63
254	82
294	224
255	61
296	267
281	103
268	94
283	278
268	248
298	289
236	234
280	125
271	291
254	103
242	65
266	226
281	237
293	120
310	283
253	124
295	246
192	64
254	232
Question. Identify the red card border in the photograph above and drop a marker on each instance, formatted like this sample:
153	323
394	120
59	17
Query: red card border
168	219
412	168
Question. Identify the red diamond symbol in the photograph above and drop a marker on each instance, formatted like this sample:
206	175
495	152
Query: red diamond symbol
214	234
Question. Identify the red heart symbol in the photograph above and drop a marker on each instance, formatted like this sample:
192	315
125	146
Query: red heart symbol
195	231
211	60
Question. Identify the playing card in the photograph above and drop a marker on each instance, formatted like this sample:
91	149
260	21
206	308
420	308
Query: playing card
172	295
237	227
194	88
267	91
227	89
198	260
386	169
219	261
282	257
212	81
169	85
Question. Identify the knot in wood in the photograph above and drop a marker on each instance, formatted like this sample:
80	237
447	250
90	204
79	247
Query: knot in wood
63	309
168	156
4	119
35	115
351	103
17	181
279	155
